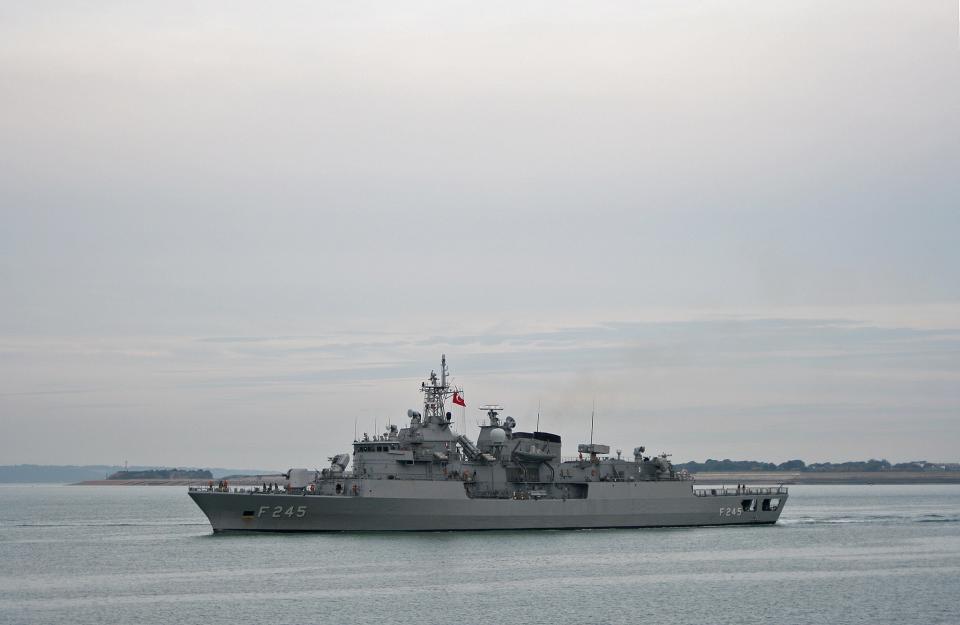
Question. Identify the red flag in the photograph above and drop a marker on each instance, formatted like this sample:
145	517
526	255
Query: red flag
458	399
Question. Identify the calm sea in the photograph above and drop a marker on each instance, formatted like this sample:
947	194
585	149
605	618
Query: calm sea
143	555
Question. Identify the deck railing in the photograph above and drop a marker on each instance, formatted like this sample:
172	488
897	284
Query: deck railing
764	490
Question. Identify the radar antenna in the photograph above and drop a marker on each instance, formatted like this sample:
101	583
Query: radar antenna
492	411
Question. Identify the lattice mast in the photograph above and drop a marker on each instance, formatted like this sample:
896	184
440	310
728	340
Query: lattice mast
435	394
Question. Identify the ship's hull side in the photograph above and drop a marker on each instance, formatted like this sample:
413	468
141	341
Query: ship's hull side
411	507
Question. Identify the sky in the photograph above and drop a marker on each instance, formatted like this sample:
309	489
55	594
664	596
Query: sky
234	233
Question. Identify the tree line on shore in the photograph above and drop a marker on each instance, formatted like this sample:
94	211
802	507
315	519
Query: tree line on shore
723	466
163	474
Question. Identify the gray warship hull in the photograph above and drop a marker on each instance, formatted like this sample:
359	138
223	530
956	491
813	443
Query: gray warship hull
427	477
444	506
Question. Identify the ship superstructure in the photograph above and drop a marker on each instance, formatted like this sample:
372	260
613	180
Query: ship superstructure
426	476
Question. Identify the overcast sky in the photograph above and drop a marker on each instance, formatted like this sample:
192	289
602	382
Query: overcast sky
232	230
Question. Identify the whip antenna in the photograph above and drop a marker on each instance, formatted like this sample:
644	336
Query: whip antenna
591	421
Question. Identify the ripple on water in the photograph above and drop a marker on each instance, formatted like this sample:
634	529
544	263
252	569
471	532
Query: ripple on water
870	555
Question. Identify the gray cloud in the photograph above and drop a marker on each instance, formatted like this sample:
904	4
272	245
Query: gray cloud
780	386
733	223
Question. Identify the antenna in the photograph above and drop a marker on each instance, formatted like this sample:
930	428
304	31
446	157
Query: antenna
354	429
591	420
538	415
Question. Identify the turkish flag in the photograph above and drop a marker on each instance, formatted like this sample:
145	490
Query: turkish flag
458	399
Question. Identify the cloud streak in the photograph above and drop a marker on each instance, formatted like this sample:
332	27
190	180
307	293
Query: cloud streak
732	224
775	384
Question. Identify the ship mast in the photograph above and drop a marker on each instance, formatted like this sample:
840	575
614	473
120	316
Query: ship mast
435	393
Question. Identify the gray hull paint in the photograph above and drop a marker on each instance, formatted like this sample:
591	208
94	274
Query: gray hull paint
609	506
427	477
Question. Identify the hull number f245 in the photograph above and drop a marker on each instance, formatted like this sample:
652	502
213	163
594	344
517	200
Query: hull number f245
279	512
734	511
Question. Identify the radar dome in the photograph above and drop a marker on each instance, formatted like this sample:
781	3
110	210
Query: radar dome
497	436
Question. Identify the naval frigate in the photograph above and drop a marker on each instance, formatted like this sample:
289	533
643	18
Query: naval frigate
426	476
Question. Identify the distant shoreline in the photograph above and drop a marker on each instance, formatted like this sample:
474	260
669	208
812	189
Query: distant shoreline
244	480
830	477
72	473
751	477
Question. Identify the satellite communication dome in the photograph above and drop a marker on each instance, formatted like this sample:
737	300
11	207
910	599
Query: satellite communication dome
497	436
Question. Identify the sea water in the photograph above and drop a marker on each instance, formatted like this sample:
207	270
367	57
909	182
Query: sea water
144	555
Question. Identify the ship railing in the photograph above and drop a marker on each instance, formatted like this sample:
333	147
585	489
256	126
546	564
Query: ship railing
239	489
343	478
231	489
748	490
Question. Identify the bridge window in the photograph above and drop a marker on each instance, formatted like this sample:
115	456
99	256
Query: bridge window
748	505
